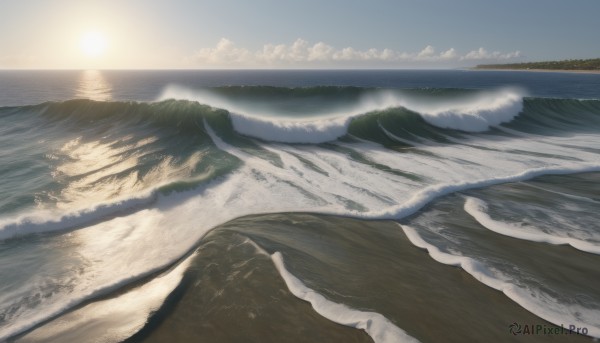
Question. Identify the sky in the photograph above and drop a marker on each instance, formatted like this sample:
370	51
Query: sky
190	34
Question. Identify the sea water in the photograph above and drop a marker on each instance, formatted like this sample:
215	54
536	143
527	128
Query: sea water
274	205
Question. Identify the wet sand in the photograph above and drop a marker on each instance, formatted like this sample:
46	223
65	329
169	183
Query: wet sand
233	294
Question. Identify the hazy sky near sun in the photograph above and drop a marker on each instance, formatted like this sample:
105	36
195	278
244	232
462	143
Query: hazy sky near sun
293	34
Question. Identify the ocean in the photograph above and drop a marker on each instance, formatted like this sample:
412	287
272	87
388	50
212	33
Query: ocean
299	206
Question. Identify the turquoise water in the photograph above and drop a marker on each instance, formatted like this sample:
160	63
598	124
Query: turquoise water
112	180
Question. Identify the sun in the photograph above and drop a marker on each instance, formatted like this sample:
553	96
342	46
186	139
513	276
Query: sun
93	44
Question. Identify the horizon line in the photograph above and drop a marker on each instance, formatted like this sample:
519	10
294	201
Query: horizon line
232	69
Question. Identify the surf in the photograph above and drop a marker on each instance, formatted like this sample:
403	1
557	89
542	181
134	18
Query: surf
225	162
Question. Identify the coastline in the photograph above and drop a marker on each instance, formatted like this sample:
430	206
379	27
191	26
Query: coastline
541	70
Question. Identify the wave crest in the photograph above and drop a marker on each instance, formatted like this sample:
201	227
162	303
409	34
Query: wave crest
471	112
318	115
477	115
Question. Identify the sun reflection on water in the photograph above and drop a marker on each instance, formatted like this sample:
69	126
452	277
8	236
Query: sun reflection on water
94	86
111	170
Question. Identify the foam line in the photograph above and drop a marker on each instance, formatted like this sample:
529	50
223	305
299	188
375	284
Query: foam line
422	198
375	325
477	209
48	221
125	314
533	301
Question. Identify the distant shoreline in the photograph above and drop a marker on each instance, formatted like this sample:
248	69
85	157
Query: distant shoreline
588	66
575	71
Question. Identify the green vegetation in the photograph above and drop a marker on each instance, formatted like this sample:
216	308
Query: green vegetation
590	64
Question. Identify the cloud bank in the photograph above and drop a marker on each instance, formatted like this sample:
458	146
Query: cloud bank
304	54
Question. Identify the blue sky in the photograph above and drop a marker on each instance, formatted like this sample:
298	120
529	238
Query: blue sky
294	34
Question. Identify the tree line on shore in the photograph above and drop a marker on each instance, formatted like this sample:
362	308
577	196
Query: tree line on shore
588	64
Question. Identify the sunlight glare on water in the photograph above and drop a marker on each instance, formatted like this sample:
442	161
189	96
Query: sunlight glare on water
92	85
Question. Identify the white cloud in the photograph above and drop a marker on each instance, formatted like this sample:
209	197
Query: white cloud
449	54
427	53
302	53
320	52
224	53
483	54
299	51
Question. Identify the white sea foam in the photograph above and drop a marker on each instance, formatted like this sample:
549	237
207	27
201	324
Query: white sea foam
124	315
352	173
115	245
108	275
49	220
536	302
477	209
423	197
375	325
